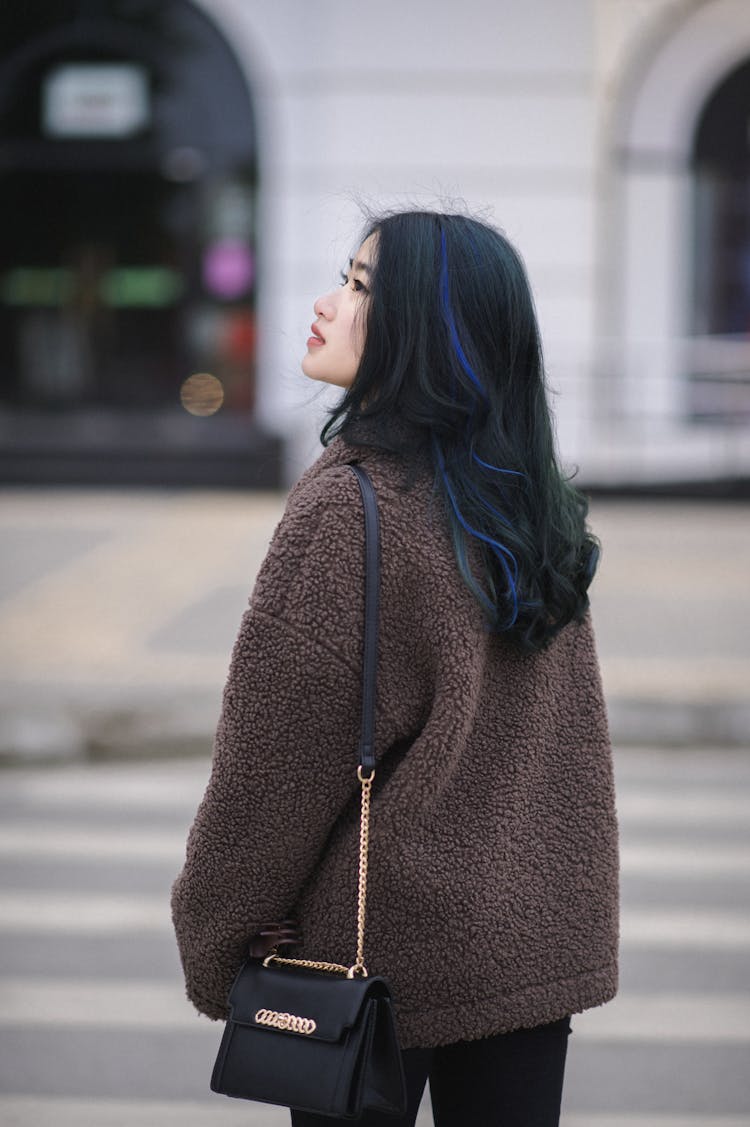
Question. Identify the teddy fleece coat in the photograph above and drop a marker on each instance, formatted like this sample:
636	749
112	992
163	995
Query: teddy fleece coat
492	895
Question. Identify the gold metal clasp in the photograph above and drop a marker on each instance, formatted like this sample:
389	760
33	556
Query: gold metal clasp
284	1021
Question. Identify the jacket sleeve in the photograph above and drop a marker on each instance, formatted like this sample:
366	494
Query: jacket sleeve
284	760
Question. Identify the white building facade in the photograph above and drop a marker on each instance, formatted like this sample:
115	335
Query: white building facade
570	124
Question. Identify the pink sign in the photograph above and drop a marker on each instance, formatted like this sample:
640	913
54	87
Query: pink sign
228	268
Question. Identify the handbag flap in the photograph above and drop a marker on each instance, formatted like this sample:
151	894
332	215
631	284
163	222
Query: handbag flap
297	1001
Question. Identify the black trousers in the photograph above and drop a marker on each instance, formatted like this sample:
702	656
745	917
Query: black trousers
511	1080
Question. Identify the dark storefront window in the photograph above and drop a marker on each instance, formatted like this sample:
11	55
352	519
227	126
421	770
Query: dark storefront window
128	251
720	356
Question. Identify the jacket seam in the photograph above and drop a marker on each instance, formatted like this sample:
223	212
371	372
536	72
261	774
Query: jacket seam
293	628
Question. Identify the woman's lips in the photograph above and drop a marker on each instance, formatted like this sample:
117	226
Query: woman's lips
316	340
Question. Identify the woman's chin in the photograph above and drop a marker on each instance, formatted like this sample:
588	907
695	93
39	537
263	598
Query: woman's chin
309	371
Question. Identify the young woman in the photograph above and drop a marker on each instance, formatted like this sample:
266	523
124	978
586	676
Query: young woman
492	894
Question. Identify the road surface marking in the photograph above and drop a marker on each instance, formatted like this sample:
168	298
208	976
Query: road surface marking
683	860
685	928
63	1111
705	807
146	1004
39	839
57	1111
77	914
61	840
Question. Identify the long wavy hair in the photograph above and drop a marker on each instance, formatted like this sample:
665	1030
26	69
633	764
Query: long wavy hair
452	349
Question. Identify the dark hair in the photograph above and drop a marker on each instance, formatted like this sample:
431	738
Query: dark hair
452	349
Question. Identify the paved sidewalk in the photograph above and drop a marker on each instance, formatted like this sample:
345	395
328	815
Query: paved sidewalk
118	611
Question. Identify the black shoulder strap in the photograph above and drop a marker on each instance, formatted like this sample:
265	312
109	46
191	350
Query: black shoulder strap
370	647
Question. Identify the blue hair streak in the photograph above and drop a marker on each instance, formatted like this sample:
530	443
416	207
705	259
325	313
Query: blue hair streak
502	554
495	469
450	320
486	504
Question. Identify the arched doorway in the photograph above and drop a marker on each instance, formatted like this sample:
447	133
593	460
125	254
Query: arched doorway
128	247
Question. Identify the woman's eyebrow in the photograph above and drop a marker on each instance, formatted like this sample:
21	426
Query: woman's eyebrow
359	266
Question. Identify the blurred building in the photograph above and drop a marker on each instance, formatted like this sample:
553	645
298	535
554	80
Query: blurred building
179	180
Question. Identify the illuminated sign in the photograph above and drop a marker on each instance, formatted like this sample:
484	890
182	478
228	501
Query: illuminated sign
105	100
146	287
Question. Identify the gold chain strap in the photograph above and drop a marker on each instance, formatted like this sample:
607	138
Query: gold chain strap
313	964
364	842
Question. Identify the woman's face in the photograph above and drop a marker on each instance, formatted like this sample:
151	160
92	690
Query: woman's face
335	348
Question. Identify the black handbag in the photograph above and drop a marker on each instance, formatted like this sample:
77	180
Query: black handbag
315	1036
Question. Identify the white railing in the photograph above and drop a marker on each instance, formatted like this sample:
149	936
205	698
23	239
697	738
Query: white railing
651	411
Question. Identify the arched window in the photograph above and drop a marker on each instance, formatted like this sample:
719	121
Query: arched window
719	375
721	167
128	246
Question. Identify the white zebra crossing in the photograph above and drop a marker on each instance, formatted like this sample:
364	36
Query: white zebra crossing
82	815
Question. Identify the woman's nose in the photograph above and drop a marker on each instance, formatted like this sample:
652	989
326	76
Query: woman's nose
325	306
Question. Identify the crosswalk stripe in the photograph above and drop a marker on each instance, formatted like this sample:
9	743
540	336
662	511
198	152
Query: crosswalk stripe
682	860
113	1004
696	928
180	787
63	1111
75	914
57	1111
145	1004
684	1017
31	839
650	1119
701	808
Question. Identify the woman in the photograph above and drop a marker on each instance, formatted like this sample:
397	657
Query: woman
492	894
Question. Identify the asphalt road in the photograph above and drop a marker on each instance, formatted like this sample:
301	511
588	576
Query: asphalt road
95	1030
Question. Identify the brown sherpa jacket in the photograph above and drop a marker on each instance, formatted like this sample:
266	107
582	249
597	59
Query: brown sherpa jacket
492	896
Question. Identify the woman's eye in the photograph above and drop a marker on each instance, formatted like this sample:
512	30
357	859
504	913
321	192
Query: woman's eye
357	286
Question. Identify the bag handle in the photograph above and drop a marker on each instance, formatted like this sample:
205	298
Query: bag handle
366	768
